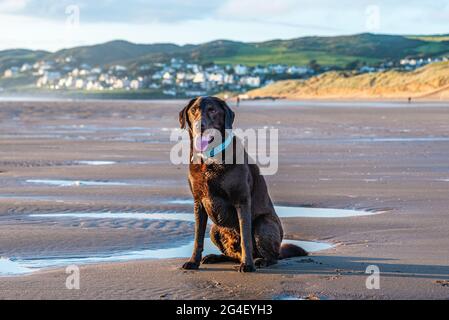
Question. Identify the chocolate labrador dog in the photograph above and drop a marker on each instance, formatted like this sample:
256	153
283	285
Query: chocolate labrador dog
235	197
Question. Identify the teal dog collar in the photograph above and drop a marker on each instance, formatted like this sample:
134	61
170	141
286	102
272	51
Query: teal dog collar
220	148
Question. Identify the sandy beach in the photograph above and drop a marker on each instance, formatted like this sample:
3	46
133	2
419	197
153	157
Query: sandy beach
77	161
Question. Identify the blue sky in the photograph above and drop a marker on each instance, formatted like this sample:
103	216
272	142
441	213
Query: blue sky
53	24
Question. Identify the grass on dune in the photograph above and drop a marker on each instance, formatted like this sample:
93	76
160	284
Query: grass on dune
430	80
432	38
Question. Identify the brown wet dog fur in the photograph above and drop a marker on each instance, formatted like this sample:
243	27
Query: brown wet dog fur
235	197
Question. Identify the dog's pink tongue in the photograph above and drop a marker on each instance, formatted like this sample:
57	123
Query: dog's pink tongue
202	144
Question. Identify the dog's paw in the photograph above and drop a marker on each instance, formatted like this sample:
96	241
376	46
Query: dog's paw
247	268
260	263
189	265
212	258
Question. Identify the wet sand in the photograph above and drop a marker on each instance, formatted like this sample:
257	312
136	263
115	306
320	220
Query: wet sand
388	157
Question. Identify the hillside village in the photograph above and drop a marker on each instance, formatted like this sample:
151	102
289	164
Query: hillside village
167	70
177	78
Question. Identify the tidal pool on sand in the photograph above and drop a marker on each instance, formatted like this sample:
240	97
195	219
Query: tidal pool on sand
95	163
125	215
304	212
76	183
10	267
182	250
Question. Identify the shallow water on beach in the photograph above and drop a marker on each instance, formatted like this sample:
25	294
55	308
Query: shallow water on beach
361	140
304	212
181	250
95	163
399	139
125	215
96	183
76	183
282	211
10	267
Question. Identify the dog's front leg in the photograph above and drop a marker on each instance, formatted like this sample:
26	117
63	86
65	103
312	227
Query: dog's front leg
200	231
246	238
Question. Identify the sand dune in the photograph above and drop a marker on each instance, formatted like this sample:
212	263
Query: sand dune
429	82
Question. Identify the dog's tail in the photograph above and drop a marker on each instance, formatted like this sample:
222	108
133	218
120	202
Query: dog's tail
289	250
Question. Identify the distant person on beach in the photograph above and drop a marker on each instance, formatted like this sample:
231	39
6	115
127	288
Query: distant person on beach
409	99
238	101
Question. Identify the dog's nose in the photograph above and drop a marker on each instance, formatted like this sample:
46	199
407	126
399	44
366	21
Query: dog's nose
203	124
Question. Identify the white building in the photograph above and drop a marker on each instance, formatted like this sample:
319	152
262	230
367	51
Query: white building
298	70
119	68
135	84
229	79
96	71
94	85
279	69
180	76
200	77
241	70
26	67
253	82
121	84
167	78
217	78
79	84
261	70
11	72
410	62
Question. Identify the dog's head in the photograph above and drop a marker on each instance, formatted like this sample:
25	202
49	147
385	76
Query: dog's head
205	114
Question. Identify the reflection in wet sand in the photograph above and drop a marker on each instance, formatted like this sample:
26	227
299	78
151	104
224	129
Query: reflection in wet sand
76	183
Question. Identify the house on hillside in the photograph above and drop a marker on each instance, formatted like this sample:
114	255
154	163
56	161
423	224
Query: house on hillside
12	72
136	84
26	67
298	70
260	70
200	78
167	78
253	82
240	70
217	78
278	69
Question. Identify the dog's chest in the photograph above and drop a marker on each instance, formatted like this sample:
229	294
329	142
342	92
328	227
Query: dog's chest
220	211
207	189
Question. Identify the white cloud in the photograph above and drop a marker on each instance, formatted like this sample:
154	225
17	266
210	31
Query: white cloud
41	23
7	6
256	8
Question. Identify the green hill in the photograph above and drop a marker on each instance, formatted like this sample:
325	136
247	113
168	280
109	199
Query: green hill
112	52
327	51
17	57
335	51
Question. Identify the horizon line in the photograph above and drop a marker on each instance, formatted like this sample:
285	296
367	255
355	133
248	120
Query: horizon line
229	40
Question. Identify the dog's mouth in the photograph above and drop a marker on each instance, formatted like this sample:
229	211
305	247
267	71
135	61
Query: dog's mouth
202	142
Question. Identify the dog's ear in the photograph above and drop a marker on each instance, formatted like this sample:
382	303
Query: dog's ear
183	114
229	114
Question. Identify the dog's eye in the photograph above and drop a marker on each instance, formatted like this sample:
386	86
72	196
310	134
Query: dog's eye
212	111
